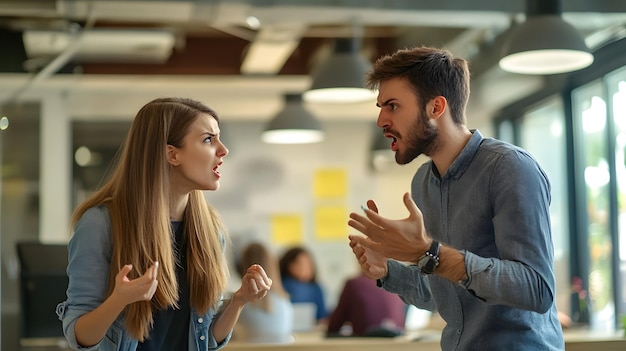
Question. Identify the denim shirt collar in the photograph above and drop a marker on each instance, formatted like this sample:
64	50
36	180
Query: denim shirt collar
464	159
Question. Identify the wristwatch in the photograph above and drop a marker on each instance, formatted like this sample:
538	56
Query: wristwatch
430	260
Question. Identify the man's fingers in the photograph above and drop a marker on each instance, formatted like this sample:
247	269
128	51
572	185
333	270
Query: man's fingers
370	225
354	244
375	219
365	242
357	222
414	211
372	205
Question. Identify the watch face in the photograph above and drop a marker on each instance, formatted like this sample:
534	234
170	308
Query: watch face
427	264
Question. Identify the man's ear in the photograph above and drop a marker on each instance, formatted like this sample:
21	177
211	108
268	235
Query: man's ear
172	155
436	107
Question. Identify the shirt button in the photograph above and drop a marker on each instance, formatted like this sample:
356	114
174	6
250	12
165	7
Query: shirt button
200	320
202	337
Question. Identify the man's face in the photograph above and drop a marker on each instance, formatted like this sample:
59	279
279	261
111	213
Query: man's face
405	121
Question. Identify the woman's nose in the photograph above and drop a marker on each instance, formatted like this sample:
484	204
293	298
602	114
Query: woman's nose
223	150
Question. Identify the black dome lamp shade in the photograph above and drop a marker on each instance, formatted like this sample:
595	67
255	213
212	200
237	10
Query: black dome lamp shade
293	124
544	43
341	78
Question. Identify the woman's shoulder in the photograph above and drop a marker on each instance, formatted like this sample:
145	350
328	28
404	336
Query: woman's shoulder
93	226
97	215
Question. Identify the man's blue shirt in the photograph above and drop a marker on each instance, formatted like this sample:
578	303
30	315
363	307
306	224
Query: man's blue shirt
492	204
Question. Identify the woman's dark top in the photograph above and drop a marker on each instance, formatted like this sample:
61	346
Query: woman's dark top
171	327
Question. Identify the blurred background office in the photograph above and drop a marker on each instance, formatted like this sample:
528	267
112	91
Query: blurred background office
271	319
364	309
298	271
72	73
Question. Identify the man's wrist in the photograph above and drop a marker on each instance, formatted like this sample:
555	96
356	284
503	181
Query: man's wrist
429	261
379	281
419	253
453	266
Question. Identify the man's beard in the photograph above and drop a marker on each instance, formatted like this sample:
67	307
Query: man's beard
421	139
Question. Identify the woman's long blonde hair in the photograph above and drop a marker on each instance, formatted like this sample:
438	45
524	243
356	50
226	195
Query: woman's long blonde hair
137	197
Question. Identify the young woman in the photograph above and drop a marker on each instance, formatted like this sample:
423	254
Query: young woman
271	319
146	262
299	278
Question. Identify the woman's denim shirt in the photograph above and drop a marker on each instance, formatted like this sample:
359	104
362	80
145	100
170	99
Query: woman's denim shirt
88	271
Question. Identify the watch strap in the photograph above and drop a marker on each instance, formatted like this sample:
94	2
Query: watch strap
434	249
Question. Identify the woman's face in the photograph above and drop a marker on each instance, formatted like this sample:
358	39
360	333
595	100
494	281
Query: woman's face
195	163
302	268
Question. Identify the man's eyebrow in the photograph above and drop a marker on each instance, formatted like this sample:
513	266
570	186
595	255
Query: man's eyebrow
385	103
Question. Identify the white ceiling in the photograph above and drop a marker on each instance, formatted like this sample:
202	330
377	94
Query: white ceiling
110	32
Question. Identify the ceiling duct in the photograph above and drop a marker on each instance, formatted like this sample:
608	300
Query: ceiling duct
104	45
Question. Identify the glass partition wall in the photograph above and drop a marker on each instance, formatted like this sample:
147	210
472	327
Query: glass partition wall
592	171
542	128
616	86
579	138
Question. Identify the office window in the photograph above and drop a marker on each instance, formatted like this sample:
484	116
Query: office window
593	174
506	131
586	164
616	83
542	133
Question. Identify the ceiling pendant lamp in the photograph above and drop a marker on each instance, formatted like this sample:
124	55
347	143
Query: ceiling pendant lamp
341	78
293	124
544	43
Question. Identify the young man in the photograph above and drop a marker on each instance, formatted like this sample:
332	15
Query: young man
476	245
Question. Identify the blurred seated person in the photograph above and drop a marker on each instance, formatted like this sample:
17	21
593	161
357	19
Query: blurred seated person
268	320
367	310
298	272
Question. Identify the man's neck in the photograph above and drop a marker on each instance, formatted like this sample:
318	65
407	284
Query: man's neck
451	143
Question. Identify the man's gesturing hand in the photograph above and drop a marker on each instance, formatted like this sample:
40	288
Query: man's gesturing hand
403	240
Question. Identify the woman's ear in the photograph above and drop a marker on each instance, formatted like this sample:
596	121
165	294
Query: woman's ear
172	155
436	107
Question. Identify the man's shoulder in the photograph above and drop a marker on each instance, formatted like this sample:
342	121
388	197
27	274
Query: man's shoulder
497	145
491	148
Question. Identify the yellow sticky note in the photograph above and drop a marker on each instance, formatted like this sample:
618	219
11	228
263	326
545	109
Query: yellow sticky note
286	229
330	183
331	223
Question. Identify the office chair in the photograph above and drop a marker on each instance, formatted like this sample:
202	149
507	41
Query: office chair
43	284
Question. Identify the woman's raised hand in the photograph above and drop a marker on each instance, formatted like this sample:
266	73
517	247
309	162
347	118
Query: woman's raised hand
139	289
254	285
